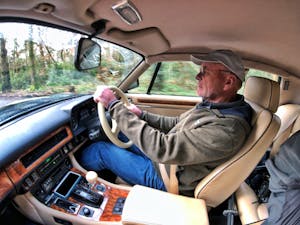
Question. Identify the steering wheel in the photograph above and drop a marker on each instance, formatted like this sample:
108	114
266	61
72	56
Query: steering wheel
112	132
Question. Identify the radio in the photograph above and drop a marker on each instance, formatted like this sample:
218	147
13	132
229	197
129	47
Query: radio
50	163
43	190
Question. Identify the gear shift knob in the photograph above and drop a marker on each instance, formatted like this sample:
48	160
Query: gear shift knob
91	177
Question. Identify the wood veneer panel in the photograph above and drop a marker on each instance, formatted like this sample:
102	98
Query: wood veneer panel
6	186
113	195
16	170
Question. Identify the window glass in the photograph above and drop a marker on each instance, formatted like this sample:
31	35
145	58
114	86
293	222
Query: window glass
178	78
39	60
259	73
173	78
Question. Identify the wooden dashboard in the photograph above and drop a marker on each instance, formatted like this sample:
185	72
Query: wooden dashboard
25	173
6	186
17	171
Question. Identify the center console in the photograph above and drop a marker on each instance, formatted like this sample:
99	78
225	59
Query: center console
74	195
55	189
73	185
67	190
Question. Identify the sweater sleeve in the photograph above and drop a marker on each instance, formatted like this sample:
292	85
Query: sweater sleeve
163	123
211	142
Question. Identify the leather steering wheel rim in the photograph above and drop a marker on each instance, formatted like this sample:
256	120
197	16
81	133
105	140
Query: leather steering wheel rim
112	132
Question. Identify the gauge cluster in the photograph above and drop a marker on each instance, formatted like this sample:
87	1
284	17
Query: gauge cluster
83	116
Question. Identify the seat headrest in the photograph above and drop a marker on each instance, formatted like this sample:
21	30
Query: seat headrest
289	114
263	92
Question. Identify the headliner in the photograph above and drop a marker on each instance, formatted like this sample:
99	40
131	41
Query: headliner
261	32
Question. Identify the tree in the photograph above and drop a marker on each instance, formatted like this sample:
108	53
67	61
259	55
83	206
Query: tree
30	45
6	84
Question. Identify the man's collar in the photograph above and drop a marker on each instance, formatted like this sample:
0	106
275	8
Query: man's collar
211	105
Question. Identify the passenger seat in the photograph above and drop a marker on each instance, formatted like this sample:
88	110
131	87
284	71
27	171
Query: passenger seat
289	115
250	210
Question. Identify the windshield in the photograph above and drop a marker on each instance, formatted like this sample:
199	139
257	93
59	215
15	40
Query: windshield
39	61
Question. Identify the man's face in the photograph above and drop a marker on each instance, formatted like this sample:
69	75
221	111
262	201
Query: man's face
211	81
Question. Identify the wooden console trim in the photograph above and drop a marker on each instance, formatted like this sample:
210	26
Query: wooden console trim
6	186
16	170
111	193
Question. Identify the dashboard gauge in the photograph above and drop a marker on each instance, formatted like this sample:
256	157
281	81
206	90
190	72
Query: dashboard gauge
74	123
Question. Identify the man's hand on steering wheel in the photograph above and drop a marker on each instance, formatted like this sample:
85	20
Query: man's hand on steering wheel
104	95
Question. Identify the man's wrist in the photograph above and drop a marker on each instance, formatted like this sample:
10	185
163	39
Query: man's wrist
112	103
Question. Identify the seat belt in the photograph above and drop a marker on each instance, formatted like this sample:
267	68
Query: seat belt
171	182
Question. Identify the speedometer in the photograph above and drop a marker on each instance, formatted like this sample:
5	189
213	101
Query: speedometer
74	123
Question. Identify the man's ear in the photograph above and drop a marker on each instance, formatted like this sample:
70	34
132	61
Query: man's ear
229	82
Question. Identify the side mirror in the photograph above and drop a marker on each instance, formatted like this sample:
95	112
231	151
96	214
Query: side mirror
88	54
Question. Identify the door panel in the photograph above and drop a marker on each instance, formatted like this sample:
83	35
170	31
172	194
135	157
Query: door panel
164	104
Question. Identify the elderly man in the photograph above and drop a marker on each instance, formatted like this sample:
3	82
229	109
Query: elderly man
197	141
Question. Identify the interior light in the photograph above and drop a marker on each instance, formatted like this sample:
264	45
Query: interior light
127	12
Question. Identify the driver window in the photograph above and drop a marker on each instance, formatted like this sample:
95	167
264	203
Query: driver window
172	78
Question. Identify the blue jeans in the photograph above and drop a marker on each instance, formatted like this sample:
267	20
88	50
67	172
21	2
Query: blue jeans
131	164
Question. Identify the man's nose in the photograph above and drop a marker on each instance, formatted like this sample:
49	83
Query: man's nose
199	76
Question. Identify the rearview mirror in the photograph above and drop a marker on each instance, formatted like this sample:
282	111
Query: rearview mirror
88	54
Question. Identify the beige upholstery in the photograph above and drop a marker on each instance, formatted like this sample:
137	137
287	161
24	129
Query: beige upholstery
289	115
250	210
150	206
263	96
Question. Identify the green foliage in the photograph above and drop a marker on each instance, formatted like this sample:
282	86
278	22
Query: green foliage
62	79
258	73
38	66
173	78
38	61
20	80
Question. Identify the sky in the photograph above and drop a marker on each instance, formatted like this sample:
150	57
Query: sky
55	38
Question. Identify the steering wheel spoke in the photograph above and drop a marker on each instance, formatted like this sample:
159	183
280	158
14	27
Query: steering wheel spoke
112	132
115	129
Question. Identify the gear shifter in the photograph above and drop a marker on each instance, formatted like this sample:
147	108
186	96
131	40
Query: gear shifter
91	177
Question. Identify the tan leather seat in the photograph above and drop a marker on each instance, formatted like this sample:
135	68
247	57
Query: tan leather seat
289	115
263	95
250	210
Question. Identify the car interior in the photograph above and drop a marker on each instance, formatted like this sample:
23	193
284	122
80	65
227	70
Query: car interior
42	182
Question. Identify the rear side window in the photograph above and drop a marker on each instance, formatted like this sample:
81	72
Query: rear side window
259	73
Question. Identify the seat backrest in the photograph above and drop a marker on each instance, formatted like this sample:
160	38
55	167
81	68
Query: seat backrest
249	207
289	115
263	96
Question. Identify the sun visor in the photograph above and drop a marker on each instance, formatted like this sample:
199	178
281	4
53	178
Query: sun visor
149	41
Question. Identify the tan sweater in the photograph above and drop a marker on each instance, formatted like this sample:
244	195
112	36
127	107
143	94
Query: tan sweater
197	141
